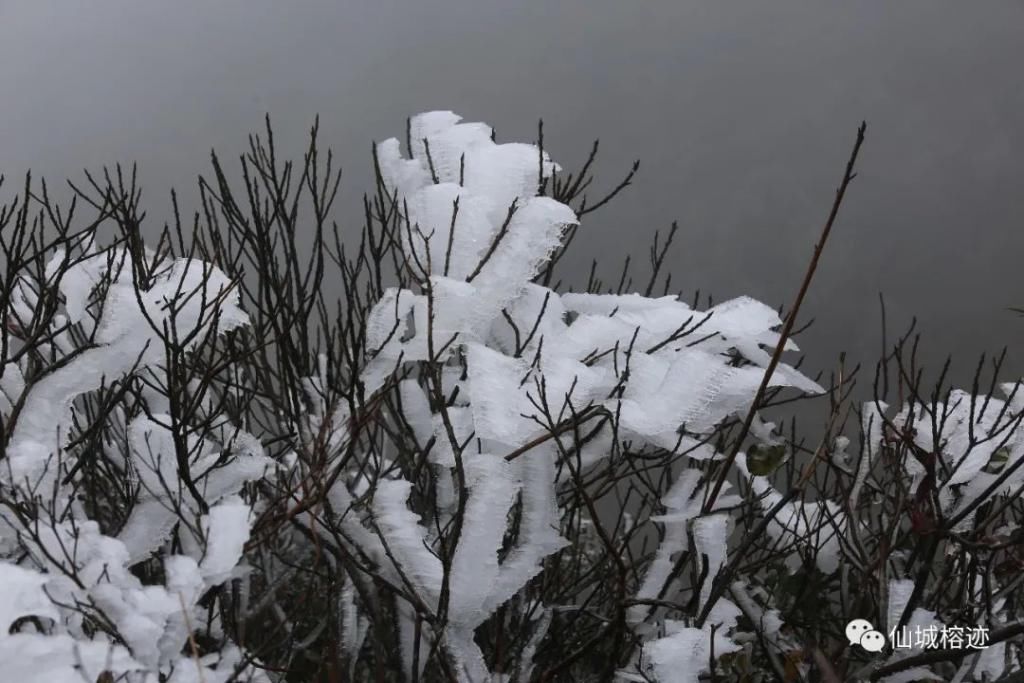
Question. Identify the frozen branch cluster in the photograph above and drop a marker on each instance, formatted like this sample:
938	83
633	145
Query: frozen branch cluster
60	570
212	471
494	364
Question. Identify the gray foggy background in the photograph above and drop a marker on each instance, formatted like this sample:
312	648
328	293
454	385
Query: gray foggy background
742	114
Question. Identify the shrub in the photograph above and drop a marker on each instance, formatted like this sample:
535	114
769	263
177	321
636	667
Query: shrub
215	470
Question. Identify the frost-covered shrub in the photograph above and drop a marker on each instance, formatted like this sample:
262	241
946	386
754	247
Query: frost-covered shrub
213	470
530	370
72	606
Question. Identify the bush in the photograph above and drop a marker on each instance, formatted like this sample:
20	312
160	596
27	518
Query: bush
213	470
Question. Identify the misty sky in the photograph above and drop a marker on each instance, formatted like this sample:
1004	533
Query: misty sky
742	114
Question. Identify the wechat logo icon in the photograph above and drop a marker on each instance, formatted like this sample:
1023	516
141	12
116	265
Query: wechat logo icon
861	632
